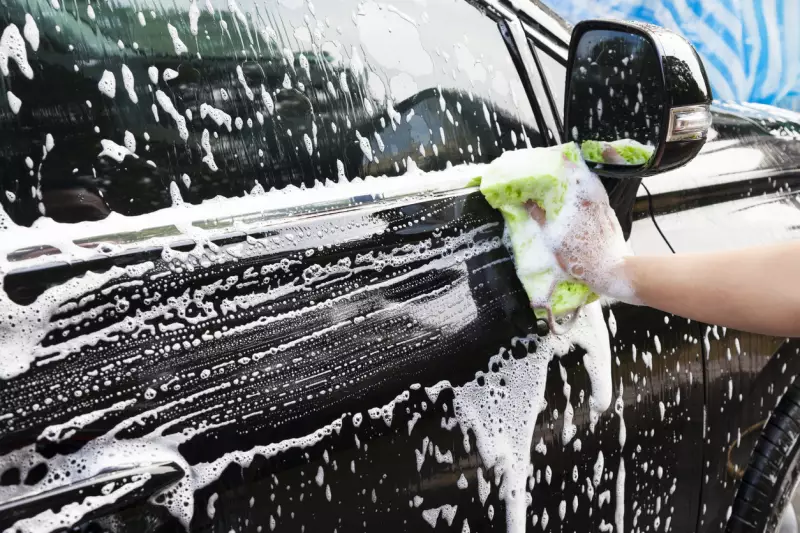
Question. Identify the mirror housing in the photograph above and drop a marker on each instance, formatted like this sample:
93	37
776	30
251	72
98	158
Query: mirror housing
639	95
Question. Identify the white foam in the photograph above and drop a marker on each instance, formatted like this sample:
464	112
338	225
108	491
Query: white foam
177	44
619	512
647	358
64	430
13	102
114	151
130	141
194	17
219	116
211	508
243	82
506	452
598	469
108	84
619	406
31	32
71	513
431	516
13	47
503	423
20	340
208	159
169	108
364	144
483	487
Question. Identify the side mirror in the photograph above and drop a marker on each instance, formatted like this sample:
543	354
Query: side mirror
637	98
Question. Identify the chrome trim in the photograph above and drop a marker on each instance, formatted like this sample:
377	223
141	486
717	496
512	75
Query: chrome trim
233	225
557	49
163	474
555	26
500	8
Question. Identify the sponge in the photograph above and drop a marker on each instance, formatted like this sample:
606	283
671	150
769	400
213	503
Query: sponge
543	176
633	152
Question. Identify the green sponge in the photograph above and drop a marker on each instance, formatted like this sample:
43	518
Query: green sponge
633	152
540	175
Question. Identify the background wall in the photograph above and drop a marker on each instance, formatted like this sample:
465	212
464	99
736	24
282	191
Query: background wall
751	48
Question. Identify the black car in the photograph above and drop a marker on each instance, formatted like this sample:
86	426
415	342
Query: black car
238	294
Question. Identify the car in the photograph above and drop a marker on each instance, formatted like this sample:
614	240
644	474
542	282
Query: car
245	289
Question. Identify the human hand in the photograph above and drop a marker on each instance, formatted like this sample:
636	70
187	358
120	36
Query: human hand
587	241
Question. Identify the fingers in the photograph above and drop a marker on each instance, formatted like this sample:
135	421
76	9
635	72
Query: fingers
610	155
571	265
537	213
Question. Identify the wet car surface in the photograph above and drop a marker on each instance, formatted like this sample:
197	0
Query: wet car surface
207	333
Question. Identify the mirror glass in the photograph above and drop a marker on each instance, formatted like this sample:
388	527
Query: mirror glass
616	98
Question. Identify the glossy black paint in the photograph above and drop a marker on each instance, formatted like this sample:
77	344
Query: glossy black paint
478	308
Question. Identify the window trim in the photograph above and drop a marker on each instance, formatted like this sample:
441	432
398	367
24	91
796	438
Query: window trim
541	91
514	33
557	113
517	33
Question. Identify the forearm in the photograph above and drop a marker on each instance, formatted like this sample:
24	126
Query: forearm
756	289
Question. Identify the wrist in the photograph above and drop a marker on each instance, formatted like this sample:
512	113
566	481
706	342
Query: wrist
621	283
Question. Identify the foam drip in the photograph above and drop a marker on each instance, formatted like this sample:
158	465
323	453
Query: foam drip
502	412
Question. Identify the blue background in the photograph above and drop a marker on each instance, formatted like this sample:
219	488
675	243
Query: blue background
751	48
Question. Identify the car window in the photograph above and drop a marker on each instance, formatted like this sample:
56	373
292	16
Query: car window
231	97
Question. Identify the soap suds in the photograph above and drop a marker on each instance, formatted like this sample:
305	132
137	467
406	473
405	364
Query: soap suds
13	102
108	84
128	83
169	108
503	423
177	44
619	511
31	32
219	116
13	47
194	17
130	142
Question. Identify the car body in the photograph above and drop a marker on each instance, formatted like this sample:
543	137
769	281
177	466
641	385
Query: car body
225	324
